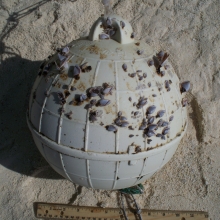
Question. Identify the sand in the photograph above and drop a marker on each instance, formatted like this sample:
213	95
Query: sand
189	30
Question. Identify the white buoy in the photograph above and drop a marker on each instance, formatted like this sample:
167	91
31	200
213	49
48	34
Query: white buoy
107	112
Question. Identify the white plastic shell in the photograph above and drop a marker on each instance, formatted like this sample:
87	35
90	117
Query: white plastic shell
86	153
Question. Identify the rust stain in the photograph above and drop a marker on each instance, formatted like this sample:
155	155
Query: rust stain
91	80
64	76
109	109
58	85
110	65
67	93
82	48
102	56
129	86
75	103
151	99
81	87
79	60
93	49
124	114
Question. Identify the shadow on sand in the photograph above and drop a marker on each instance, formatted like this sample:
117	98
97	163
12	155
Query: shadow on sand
17	149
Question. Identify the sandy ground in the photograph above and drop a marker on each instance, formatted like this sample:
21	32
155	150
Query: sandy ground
188	30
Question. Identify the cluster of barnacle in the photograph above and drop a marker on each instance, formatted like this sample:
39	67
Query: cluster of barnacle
167	85
77	70
109	31
150	127
138	74
135	114
159	61
62	63
141	102
62	98
80	99
148	124
100	91
97	91
94	114
63	57
184	87
120	121
92	103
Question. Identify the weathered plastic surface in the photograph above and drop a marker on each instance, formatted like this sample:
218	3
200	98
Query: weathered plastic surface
86	153
101	170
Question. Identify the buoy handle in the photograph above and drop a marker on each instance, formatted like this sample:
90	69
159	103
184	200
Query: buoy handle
123	30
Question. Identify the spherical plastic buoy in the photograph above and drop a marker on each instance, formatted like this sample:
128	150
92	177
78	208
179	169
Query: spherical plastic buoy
107	111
